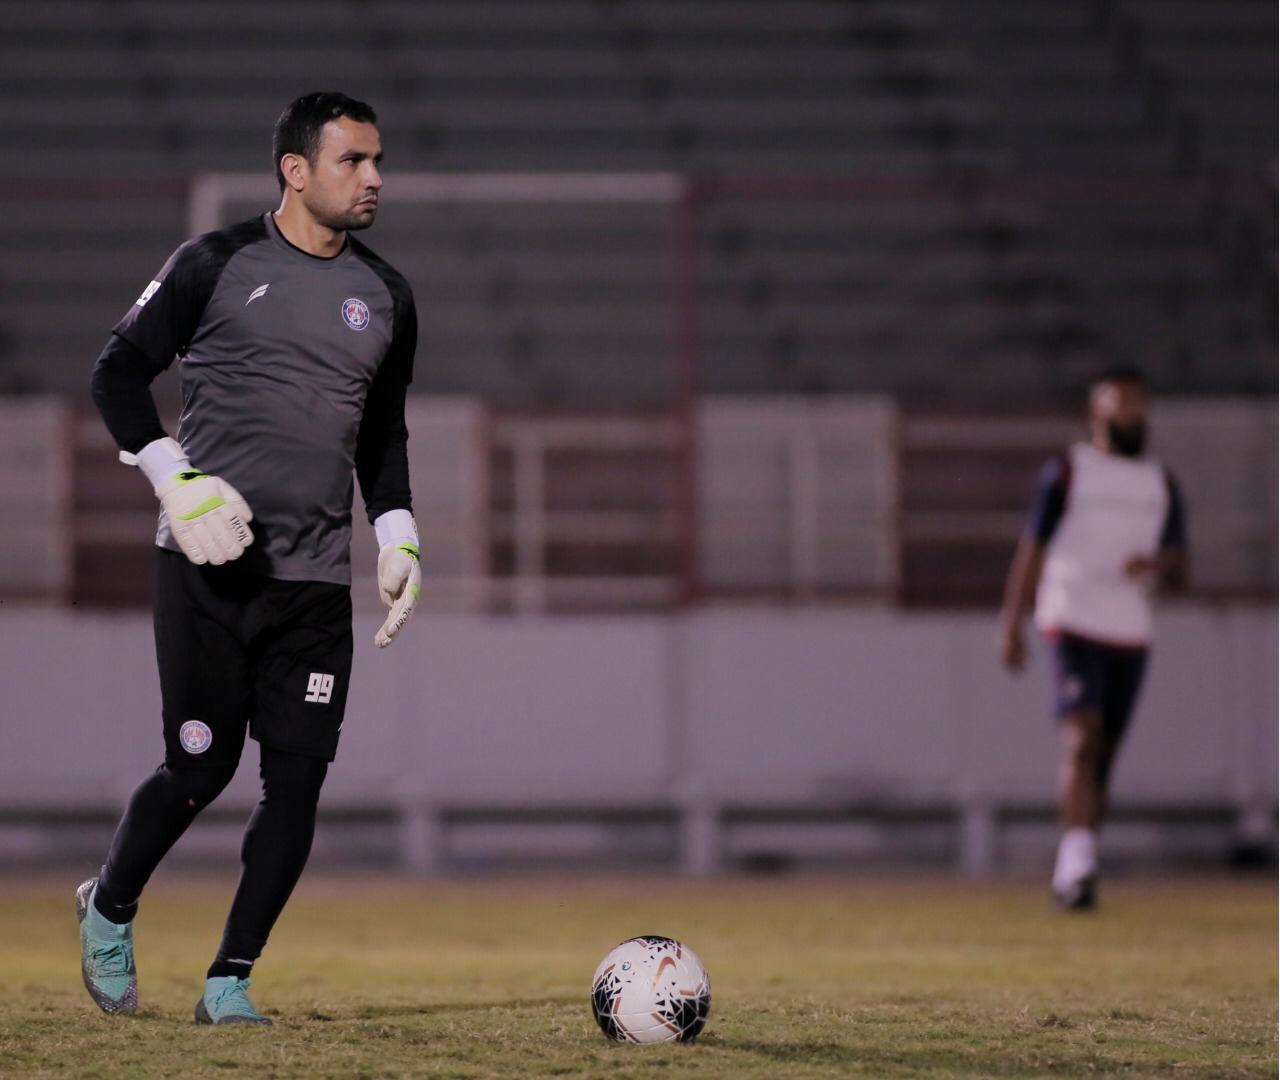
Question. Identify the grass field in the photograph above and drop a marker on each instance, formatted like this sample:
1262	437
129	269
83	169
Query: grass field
810	978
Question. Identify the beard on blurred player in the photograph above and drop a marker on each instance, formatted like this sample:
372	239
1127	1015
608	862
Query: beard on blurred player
1118	417
1107	525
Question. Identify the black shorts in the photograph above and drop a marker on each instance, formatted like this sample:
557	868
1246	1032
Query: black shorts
240	650
1092	677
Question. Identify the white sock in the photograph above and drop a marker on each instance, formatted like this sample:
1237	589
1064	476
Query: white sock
1077	858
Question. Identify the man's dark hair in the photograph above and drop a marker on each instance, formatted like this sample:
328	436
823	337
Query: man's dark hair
1124	374
299	126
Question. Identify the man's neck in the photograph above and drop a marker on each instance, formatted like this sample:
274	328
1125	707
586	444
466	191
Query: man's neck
307	234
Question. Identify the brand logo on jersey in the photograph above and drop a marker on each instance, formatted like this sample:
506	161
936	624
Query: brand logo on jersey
259	291
355	313
195	737
148	293
319	688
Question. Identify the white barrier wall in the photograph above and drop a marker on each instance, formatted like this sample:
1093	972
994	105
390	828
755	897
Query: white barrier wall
35	491
1223	452
701	713
800	494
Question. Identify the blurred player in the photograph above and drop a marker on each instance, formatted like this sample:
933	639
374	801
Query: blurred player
296	345
1106	526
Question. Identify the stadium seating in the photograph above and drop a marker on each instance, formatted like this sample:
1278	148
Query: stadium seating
1164	273
937	296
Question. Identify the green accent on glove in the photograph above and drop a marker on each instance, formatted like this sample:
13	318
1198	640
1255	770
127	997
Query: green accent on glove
189	475
203	508
417	592
409	549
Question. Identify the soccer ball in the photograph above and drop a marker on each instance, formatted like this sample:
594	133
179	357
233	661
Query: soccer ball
651	989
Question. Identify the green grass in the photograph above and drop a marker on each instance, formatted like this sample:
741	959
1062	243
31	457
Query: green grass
811	979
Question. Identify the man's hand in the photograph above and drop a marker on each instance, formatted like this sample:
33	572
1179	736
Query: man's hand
208	518
1013	648
1140	567
400	586
399	572
1167	569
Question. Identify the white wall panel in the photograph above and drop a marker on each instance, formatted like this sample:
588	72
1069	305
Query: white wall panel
849	705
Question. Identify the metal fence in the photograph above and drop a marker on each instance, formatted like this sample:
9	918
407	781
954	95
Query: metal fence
794	500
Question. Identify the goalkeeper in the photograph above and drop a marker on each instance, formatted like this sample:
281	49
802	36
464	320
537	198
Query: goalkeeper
296	346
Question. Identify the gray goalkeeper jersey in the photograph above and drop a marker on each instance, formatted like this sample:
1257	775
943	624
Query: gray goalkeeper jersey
294	370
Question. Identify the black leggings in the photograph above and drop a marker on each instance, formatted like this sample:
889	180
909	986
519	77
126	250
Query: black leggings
275	849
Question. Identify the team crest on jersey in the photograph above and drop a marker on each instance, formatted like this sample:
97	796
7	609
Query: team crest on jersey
195	736
355	313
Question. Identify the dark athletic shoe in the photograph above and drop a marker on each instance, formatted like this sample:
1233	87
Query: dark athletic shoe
226	1001
106	956
1082	896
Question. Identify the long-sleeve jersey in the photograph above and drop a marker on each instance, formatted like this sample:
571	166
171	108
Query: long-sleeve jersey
294	372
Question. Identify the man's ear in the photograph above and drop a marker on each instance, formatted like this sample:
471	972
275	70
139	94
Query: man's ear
293	167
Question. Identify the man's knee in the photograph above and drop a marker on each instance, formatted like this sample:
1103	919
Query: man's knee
1084	740
295	778
197	785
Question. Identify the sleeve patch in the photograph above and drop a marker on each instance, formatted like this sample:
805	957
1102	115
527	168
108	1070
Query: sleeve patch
147	293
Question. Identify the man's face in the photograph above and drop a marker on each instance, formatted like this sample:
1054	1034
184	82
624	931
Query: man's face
1118	416
341	188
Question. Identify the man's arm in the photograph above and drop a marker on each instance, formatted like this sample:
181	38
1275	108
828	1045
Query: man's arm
121	389
382	467
382	454
157	327
1028	560
1170	565
1019	598
207	516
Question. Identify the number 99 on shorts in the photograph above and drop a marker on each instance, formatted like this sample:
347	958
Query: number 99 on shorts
319	688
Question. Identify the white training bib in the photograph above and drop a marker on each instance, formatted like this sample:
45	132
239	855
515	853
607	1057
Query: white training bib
1116	508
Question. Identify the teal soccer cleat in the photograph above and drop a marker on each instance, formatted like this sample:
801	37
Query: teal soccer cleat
226	1001
106	956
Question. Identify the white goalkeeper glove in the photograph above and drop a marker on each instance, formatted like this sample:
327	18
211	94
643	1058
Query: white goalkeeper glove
399	571
207	516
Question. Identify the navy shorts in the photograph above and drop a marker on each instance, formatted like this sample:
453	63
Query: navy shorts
238	651
1089	676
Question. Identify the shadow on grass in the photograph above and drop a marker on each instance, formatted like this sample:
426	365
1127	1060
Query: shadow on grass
946	1061
379	1012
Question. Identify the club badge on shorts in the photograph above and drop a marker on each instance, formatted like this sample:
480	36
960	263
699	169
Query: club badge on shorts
195	736
355	313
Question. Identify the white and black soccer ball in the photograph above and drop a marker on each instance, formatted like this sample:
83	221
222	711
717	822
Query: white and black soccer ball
651	989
